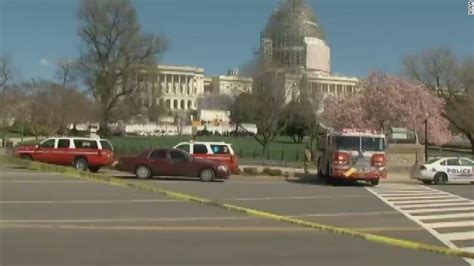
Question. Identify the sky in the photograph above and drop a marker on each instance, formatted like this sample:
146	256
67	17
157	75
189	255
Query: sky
364	35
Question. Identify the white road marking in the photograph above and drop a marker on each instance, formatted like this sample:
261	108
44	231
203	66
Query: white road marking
429	203
86	201
446	216
420	202
459	236
176	219
442	210
170	200
13	173
42	181
410	195
430	197
443	204
296	198
452	224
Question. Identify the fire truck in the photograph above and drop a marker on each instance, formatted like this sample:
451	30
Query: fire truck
352	155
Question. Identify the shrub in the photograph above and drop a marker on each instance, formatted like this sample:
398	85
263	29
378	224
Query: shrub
251	170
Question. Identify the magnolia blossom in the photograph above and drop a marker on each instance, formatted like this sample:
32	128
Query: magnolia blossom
391	101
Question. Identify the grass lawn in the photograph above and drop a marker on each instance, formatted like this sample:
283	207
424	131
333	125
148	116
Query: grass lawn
282	148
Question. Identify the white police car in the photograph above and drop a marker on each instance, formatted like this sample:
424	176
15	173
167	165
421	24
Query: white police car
443	170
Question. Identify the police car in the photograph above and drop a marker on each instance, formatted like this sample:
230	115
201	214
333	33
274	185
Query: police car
443	170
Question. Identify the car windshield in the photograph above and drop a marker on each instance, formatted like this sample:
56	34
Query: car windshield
353	143
348	143
373	144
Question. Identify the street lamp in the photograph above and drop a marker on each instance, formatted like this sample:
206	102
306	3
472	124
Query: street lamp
426	138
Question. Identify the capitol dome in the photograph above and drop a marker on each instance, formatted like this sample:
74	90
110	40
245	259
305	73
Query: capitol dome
294	20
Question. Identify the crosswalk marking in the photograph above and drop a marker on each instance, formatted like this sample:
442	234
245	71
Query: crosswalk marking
443	210
452	224
442	204
445	216
460	236
420	202
421	198
434	210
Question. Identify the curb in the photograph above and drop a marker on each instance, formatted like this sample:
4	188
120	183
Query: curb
253	212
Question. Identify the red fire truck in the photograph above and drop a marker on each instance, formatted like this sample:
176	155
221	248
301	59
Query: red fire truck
352	155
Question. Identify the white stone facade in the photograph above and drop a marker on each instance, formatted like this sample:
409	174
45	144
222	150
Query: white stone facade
180	86
231	85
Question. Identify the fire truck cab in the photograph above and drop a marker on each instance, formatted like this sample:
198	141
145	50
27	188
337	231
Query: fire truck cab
352	155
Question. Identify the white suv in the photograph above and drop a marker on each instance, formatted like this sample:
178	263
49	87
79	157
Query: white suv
216	151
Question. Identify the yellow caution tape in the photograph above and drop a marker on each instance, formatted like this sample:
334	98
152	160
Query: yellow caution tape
186	197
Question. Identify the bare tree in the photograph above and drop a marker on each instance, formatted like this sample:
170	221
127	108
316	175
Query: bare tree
45	108
439	70
241	110
270	113
115	51
5	77
67	73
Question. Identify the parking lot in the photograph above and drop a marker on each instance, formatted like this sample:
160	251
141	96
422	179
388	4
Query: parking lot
51	219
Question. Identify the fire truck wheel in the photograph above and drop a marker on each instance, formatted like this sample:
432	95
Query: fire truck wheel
374	182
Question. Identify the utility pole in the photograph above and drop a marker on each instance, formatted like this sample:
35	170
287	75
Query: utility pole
426	139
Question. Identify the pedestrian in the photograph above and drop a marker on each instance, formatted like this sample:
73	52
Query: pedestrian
307	159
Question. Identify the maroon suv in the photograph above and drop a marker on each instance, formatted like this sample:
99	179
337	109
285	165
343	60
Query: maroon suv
172	162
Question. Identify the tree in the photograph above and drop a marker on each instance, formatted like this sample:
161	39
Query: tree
269	106
298	121
116	51
46	108
241	110
453	81
5	78
390	101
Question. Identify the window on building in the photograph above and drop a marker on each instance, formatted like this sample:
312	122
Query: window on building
190	104
175	104
183	104
199	149
168	104
63	143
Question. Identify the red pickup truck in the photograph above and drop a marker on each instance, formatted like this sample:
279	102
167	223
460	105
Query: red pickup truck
82	153
172	162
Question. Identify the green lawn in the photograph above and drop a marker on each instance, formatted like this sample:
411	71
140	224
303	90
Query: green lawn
282	148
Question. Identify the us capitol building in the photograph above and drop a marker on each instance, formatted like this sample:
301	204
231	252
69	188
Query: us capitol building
293	39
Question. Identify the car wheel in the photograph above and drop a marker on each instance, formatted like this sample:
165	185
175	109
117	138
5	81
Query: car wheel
81	164
207	175
440	179
143	172
374	182
94	169
26	157
426	182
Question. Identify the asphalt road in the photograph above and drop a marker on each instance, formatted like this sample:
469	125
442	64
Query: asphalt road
49	219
